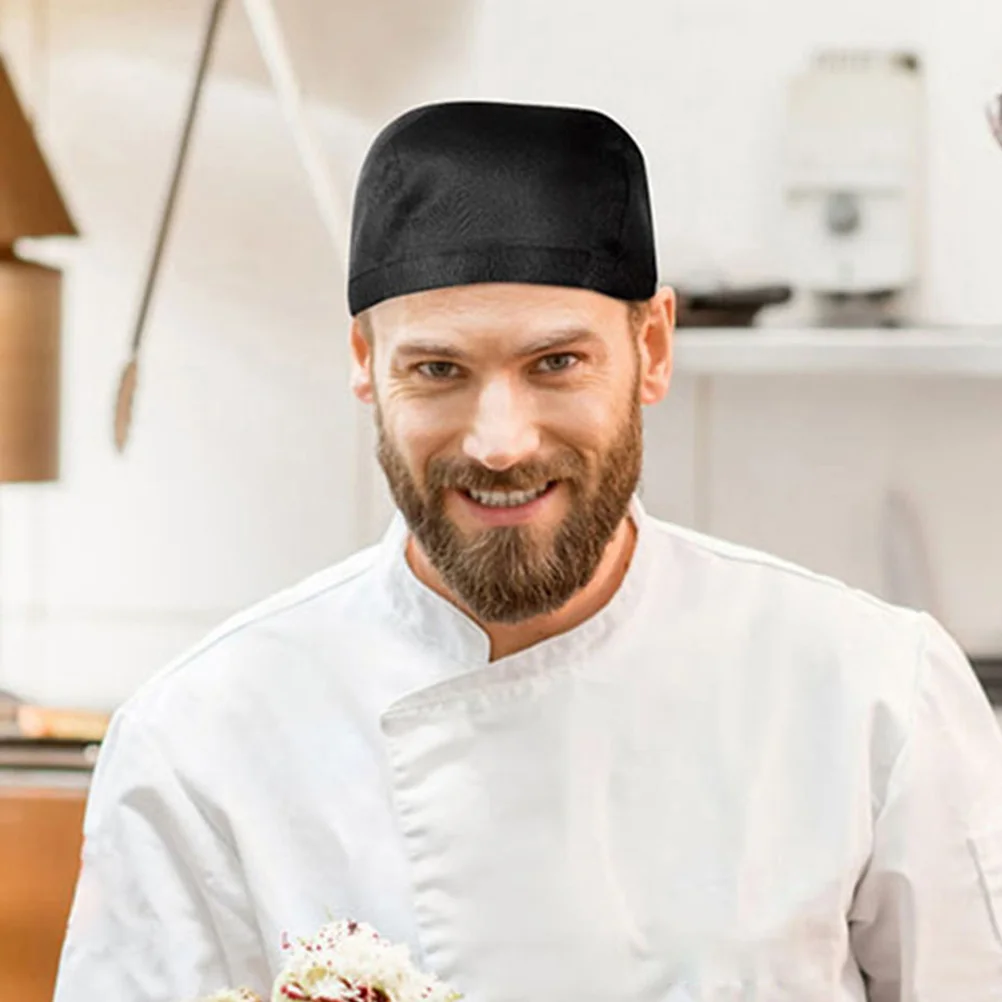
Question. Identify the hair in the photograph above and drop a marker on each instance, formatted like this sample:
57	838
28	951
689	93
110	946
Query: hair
637	311
365	326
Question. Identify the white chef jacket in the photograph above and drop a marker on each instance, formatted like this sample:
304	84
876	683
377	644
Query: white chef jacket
738	781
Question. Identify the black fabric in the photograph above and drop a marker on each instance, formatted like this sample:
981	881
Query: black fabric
466	192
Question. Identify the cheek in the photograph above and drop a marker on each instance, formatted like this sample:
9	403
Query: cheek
586	422
417	430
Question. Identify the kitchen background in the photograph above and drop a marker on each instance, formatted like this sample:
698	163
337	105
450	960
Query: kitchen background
249	463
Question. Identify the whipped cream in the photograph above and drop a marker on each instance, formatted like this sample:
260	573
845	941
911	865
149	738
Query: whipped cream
351	962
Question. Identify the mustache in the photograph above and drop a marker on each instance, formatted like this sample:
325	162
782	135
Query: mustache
460	474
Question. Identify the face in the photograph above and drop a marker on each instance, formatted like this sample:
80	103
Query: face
510	431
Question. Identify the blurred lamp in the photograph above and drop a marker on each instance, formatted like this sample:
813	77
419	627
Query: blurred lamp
30	301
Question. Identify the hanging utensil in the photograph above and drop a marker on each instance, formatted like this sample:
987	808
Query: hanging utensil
130	374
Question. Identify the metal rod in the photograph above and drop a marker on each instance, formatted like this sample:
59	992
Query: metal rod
994	112
267	30
332	209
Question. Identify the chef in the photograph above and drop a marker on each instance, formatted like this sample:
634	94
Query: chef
561	749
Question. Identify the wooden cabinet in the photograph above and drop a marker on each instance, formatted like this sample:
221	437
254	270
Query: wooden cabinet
40	840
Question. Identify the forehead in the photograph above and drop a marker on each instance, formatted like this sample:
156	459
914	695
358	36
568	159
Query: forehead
495	316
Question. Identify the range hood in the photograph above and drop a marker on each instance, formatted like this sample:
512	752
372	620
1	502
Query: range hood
30	301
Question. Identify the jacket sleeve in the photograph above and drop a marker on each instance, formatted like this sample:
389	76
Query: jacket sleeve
926	923
159	913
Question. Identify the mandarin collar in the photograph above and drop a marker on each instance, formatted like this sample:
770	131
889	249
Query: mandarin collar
440	626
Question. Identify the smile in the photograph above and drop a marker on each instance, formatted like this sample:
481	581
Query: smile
499	509
507	499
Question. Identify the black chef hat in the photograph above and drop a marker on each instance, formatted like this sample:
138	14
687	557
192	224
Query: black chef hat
466	192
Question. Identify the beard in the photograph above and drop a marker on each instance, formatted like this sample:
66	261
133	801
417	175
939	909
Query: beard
513	573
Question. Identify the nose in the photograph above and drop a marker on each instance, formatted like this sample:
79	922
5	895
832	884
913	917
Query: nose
503	432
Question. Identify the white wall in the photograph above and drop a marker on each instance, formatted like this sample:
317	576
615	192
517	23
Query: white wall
243	475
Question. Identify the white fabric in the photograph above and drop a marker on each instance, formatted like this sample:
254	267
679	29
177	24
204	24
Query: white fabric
739	781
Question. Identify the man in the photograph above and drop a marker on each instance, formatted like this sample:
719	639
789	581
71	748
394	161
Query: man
559	748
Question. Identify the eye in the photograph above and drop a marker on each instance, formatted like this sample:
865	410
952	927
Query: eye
438	371
560	362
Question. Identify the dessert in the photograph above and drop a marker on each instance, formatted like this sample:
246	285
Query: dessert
347	962
351	962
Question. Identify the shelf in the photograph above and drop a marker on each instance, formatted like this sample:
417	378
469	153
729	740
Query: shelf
967	352
989	672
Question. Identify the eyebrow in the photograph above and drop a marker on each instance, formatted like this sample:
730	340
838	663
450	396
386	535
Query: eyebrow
551	342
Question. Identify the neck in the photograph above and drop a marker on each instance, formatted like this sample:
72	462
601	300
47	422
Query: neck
510	638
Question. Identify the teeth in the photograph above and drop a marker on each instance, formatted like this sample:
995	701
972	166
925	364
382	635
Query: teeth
506	499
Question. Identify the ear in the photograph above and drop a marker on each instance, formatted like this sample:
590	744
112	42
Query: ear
361	364
655	345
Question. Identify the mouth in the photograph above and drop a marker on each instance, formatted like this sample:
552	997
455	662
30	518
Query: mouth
507	507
